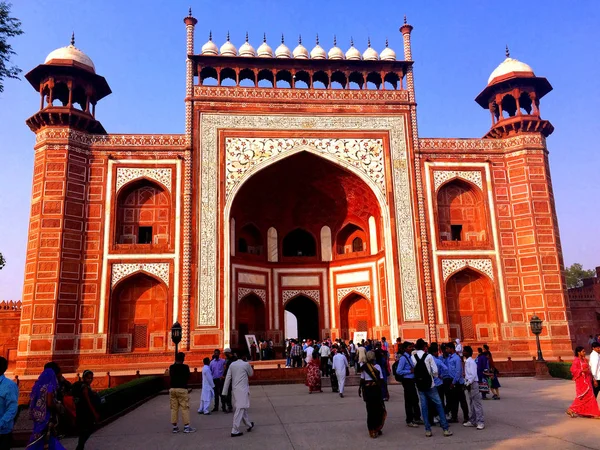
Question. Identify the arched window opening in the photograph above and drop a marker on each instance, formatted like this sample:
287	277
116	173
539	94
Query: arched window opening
525	103
391	80
374	80
247	78
208	76
320	80
356	80
350	239
283	79
338	80
228	77
299	243
60	94
251	319
143	215
471	305
461	214
509	105
302	80
79	99
265	79
250	240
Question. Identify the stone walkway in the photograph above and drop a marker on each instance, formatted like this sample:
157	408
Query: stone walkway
530	415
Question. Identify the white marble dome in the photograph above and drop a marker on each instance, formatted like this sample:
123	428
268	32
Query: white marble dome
264	51
370	53
318	52
300	52
387	54
228	49
283	51
353	53
509	65
210	48
335	52
246	49
71	53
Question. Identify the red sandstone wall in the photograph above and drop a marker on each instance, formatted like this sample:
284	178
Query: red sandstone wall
10	315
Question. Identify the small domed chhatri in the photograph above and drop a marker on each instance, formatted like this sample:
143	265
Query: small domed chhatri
300	52
228	49
510	65
353	53
370	53
387	54
264	51
70	53
246	49
335	52
283	51
318	52
210	48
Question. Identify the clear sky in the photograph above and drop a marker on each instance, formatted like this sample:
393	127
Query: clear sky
139	46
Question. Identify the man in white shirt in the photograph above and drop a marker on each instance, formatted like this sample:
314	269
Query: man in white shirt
309	352
340	365
238	373
595	367
325	351
425	371
471	382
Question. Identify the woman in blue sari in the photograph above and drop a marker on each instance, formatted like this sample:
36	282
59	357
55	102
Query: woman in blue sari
43	410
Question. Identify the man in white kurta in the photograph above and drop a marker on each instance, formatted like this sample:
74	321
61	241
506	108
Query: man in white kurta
340	365
237	376
208	389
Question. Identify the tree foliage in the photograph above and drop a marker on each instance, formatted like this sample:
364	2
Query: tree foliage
575	274
2	261
9	27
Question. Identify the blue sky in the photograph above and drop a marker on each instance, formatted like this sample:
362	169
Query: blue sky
139	46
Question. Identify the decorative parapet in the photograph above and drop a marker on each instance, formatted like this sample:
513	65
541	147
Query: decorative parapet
111	140
482	145
10	305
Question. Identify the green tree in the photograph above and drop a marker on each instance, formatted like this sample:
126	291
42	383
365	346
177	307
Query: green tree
9	27
575	273
2	261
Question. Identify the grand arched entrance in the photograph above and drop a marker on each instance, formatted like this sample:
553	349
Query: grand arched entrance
355	315
307	317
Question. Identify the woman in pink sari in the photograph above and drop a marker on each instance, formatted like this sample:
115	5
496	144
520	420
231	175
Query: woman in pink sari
585	403
313	374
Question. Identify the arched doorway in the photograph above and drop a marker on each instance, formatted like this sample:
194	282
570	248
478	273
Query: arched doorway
470	301
250	318
138	311
307	316
461	214
355	315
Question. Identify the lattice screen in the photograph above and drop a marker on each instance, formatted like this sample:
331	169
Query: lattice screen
468	331
140	336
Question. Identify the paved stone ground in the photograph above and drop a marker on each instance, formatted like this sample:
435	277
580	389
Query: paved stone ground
530	414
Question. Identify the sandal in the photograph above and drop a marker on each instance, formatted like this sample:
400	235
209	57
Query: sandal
571	413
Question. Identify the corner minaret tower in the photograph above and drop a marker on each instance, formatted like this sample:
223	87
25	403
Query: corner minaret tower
513	98
69	91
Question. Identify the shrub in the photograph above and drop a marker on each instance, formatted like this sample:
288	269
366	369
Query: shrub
125	395
560	370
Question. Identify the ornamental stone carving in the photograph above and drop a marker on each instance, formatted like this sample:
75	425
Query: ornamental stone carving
113	140
289	294
126	174
261	293
120	271
451	266
394	127
365	291
441	176
244	153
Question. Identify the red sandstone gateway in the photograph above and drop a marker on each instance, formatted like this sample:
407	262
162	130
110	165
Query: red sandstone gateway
300	185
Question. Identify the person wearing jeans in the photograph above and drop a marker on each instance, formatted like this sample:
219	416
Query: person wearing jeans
476	418
411	399
430	394
456	388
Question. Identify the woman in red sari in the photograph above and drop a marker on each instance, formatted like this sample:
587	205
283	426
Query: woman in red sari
585	403
313	374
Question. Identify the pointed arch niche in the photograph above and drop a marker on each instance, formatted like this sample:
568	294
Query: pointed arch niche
471	306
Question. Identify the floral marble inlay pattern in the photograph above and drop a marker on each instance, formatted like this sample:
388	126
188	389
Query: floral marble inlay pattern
451	266
120	271
127	174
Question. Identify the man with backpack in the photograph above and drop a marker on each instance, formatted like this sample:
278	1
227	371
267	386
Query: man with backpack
425	371
405	375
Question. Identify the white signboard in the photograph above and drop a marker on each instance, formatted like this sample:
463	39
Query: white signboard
359	336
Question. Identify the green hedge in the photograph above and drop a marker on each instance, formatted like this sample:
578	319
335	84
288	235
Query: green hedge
121	397
560	370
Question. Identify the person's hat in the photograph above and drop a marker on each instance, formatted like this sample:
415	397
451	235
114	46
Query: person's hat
227	350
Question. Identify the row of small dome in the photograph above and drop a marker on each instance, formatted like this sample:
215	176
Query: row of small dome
300	52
